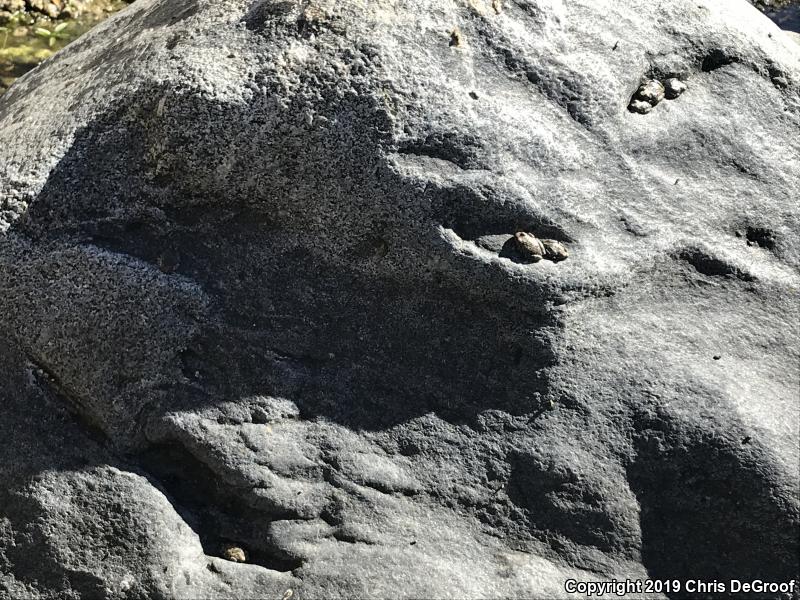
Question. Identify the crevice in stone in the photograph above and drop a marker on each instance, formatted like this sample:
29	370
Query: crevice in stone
459	150
716	59
761	236
48	379
214	510
453	208
706	264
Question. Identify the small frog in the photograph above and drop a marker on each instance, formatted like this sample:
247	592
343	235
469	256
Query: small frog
533	249
674	87
233	553
640	107
529	246
555	250
650	93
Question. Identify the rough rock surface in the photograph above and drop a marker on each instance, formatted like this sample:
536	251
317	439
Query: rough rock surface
253	294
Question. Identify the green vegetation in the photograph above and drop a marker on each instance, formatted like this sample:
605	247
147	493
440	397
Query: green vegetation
27	39
53	36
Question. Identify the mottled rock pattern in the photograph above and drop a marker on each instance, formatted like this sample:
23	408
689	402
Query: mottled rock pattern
254	294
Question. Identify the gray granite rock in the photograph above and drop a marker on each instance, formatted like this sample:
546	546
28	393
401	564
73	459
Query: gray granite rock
254	292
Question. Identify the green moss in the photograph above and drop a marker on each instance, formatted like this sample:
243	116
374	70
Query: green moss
28	54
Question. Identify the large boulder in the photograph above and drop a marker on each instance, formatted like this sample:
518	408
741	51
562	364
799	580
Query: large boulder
258	289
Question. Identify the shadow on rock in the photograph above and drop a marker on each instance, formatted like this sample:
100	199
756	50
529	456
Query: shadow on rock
317	294
708	512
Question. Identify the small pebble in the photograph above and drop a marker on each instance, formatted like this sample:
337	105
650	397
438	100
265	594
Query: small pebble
674	87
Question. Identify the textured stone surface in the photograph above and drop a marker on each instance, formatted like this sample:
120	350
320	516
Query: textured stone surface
254	293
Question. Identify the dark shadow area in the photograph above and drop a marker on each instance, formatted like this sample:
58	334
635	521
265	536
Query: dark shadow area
706	264
213	509
716	59
561	505
762	237
329	323
708	512
462	150
345	339
39	435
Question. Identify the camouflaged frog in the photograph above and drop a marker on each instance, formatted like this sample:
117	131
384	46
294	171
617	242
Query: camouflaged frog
233	553
533	249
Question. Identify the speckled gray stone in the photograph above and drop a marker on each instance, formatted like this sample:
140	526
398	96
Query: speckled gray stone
255	291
